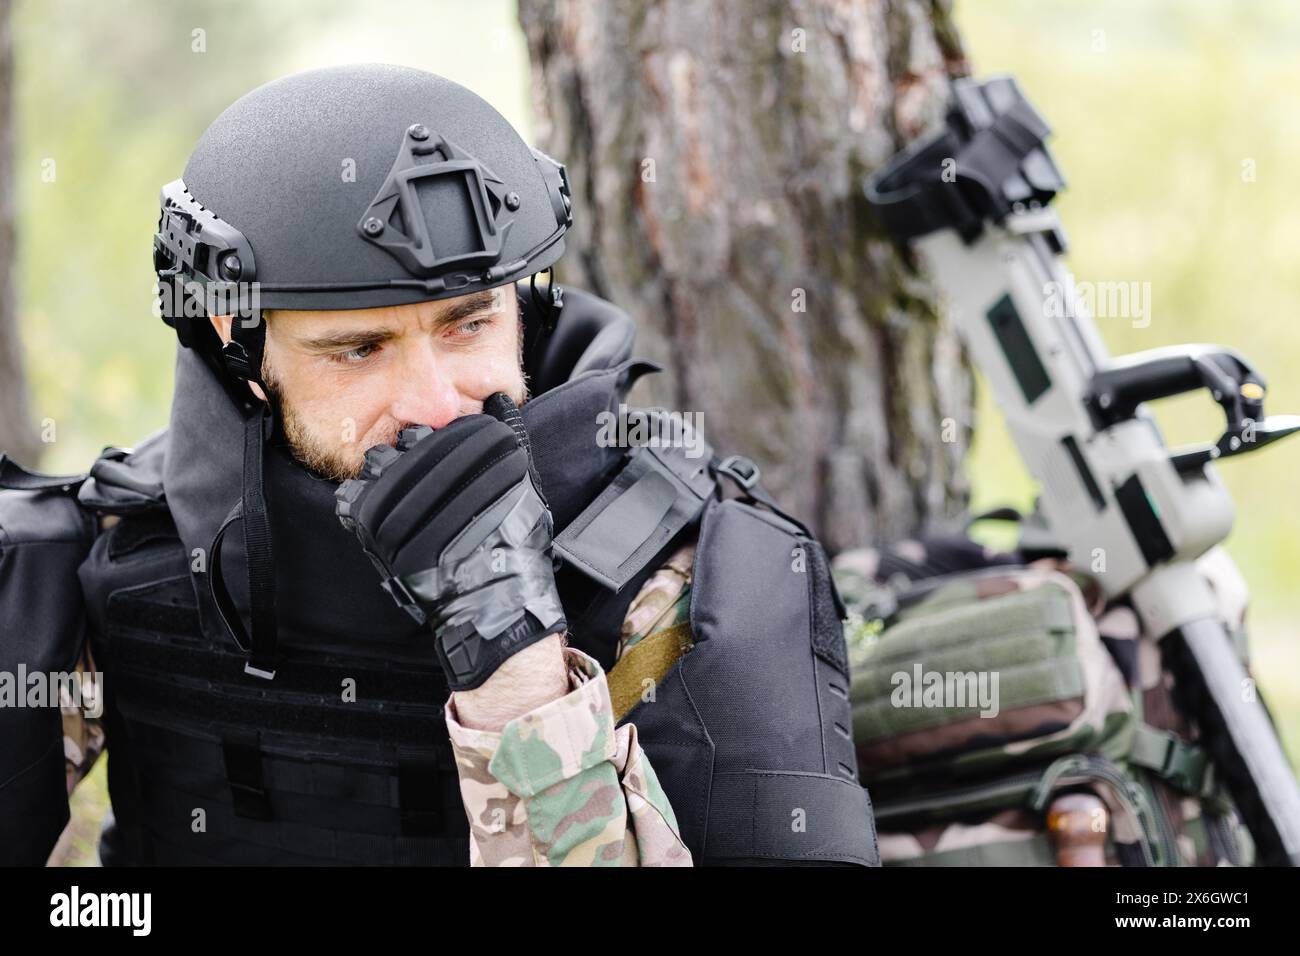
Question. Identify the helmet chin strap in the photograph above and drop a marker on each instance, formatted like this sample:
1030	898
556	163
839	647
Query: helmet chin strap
546	304
242	357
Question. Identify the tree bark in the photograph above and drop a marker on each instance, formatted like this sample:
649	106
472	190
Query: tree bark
717	151
17	439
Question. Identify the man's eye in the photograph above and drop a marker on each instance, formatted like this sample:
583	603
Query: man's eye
473	326
356	355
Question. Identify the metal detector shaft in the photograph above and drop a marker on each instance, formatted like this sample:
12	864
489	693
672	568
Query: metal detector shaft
1210	682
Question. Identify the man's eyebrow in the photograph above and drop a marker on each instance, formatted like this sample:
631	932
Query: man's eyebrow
356	338
470	305
347	340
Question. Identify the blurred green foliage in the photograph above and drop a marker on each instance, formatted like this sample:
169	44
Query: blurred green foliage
1156	114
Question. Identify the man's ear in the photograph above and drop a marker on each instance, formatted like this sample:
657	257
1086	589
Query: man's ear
222	324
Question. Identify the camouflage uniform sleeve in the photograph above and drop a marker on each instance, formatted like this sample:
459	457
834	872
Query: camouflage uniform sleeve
560	786
83	730
662	603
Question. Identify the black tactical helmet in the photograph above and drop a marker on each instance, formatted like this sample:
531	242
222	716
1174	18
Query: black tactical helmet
351	187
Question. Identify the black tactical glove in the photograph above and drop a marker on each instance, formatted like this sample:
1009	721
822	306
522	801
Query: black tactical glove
457	527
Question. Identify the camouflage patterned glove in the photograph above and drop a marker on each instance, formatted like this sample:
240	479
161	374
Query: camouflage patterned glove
454	521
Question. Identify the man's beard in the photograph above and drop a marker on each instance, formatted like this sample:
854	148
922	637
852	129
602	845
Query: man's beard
338	464
333	464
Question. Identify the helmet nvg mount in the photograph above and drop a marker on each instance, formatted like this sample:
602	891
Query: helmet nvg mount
346	188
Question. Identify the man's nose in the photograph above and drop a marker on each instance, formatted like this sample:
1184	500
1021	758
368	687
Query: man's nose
426	395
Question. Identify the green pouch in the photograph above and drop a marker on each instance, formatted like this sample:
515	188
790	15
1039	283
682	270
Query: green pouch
980	674
962	772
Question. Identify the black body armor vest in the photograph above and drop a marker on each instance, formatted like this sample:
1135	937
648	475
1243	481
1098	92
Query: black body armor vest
343	758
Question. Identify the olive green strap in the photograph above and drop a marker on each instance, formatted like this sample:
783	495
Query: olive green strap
1183	765
649	659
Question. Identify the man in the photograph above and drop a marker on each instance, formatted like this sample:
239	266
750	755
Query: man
384	516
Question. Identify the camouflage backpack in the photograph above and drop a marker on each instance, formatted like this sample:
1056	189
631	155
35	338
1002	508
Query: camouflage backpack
983	689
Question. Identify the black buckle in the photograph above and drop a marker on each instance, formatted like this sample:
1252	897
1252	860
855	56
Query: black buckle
739	469
237	360
261	672
404	598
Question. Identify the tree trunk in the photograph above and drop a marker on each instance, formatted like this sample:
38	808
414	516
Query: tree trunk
717	151
16	436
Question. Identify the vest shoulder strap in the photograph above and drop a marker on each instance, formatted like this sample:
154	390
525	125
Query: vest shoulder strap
40	508
14	477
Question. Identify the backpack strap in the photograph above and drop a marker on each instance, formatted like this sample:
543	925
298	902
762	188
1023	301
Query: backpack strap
1185	766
